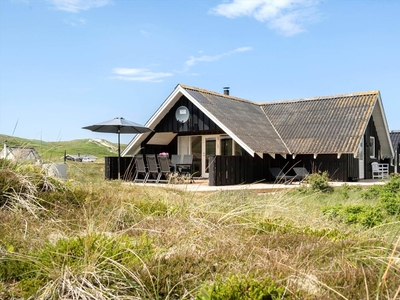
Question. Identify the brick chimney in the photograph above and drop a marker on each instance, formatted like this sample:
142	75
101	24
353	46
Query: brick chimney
226	90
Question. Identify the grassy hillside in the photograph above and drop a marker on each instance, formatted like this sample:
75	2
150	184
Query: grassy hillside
54	151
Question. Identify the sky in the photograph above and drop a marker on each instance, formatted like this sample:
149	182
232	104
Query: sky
65	64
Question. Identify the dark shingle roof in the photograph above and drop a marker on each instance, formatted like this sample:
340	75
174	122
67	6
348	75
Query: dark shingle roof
395	138
245	119
332	124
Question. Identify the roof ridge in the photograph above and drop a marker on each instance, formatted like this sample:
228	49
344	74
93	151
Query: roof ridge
274	127
217	94
374	92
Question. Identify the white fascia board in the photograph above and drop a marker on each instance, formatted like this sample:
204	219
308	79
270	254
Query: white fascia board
134	145
216	121
387	132
154	120
260	154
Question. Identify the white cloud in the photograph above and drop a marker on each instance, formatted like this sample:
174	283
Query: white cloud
144	32
206	58
75	21
77	5
143	75
286	16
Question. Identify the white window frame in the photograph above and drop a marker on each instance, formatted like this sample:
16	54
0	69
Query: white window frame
372	146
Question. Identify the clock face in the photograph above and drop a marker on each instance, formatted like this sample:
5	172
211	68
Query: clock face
182	114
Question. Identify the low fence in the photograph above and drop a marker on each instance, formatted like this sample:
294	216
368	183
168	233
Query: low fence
232	170
127	168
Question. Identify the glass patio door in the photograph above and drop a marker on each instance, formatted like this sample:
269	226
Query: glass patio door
210	148
361	160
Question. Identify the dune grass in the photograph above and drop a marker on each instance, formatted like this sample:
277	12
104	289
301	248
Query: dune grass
88	238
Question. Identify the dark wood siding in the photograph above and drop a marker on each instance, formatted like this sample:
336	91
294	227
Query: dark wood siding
230	170
345	168
126	167
198	121
370	132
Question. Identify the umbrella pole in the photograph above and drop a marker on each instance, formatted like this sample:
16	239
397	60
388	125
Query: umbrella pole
119	156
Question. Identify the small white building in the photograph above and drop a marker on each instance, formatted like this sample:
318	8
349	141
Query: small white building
19	153
79	157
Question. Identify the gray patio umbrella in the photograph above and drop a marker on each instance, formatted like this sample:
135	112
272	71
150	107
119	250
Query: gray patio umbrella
118	125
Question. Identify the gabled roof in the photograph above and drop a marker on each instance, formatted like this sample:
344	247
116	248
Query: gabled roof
243	120
395	138
21	153
322	125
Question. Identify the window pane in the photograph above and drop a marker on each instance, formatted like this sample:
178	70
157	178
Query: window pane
196	151
226	145
238	149
184	145
372	147
210	150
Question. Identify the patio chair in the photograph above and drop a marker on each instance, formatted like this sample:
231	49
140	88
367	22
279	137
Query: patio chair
279	175
140	169
380	171
301	173
185	166
164	169
152	168
175	160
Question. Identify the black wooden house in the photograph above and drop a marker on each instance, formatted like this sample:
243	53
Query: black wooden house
236	141
395	137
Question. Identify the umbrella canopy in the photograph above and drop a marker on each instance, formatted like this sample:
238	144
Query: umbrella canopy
118	125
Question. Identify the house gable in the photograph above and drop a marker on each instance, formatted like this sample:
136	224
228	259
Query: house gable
242	120
198	121
20	153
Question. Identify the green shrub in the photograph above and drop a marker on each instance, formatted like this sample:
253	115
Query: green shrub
241	287
319	182
387	194
283	228
365	215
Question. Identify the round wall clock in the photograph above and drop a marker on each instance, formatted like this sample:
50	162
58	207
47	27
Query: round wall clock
182	114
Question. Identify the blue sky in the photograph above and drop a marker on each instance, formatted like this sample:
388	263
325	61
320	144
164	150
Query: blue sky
65	64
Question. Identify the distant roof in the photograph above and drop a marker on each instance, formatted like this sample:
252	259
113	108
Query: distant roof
82	156
395	138
24	153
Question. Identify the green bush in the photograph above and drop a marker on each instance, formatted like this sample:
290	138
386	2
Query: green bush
387	194
319	182
241	287
365	215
